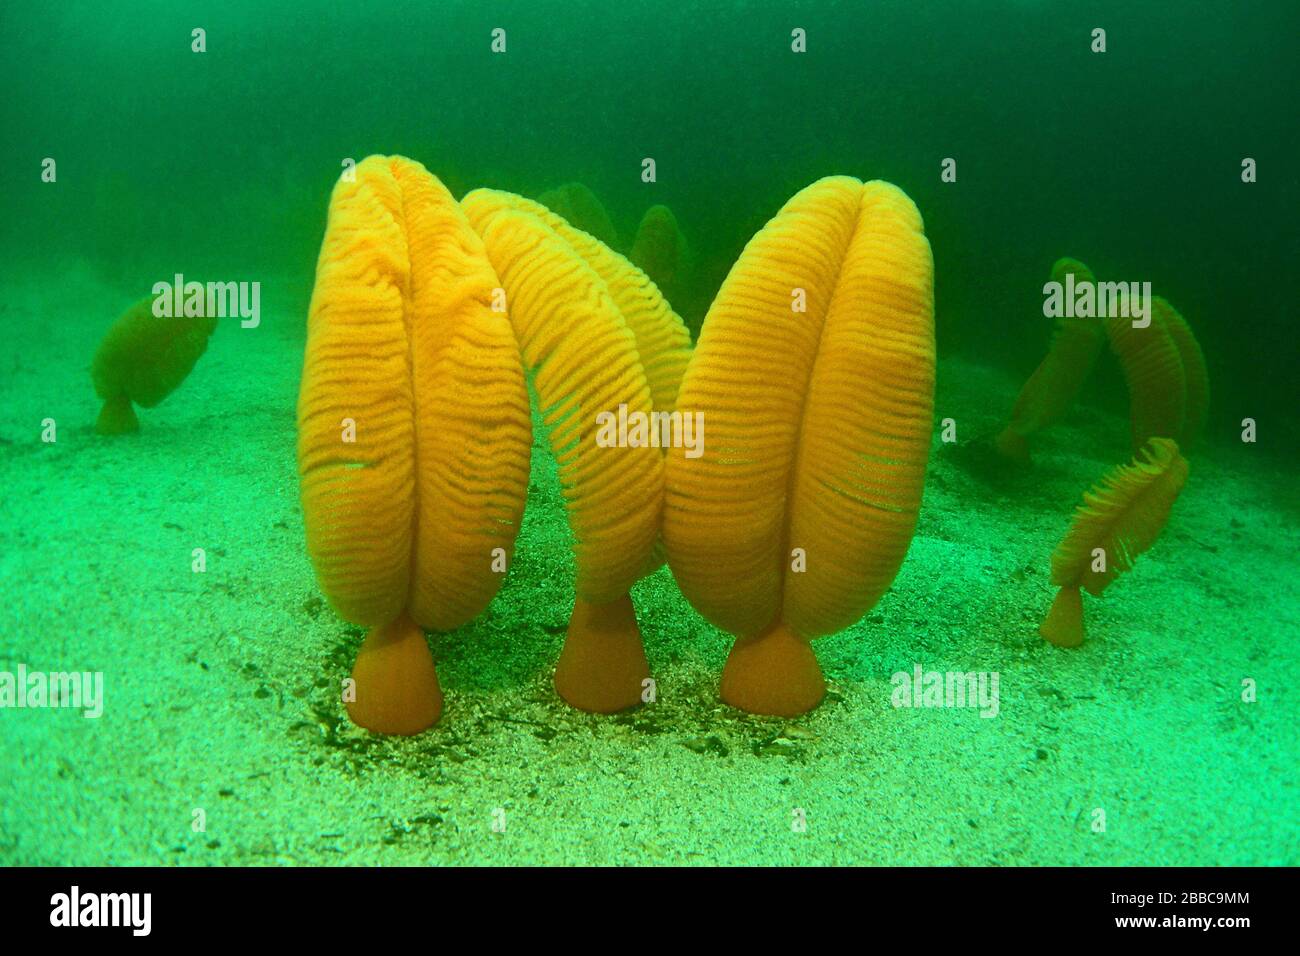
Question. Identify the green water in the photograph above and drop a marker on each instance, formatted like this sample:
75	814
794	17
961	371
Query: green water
220	689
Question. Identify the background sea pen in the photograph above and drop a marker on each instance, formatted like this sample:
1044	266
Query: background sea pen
1054	385
1120	517
142	359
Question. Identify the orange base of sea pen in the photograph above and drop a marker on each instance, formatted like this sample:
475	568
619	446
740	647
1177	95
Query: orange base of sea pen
775	673
1063	625
117	417
396	688
603	665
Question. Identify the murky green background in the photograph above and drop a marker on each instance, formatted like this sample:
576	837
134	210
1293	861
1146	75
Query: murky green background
221	162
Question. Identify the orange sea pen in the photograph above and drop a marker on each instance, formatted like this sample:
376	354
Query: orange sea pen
1054	385
1195	375
814	375
1121	516
598	337
413	431
1153	369
141	360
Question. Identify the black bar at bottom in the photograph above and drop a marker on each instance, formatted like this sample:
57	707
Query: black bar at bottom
373	905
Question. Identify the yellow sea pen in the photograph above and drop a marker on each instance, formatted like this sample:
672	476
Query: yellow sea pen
1121	517
1054	385
599	340
1195	375
814	374
413	431
1153	369
142	359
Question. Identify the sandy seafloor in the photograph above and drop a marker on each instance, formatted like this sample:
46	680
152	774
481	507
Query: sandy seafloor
222	687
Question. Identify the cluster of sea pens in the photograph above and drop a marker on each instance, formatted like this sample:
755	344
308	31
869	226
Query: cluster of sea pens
1122	515
813	380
